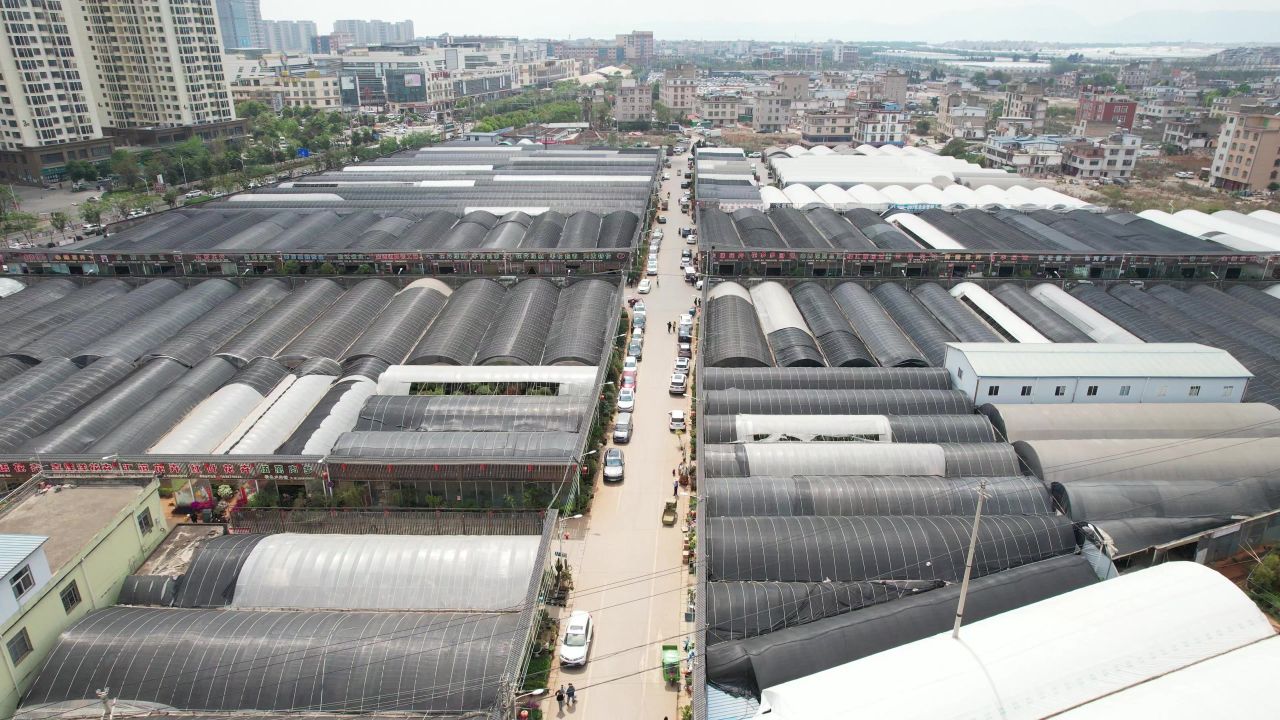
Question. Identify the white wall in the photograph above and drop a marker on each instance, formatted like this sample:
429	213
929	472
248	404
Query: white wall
9	603
1109	389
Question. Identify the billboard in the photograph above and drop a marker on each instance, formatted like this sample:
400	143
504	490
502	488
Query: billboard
413	80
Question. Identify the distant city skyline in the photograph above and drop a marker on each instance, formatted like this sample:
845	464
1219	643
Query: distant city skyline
1085	21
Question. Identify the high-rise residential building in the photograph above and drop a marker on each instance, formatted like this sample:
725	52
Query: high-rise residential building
78	77
375	32
1248	154
288	35
241	23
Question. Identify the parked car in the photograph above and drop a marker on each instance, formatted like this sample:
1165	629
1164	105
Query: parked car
684	350
1184	175
626	399
614	464
662	219
622	428
676	423
645	286
638	307
193	194
682	365
690	275
666	176
636	349
691	239
630	364
679	384
576	643
629	381
651	268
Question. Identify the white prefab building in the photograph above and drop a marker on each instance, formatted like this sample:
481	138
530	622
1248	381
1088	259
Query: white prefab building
1095	373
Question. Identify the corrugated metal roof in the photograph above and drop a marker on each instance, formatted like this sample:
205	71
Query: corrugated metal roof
15	549
1100	360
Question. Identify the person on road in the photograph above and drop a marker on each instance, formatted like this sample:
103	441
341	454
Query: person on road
675	488
560	698
572	695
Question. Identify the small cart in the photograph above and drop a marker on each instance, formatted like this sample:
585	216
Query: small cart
671	663
669	513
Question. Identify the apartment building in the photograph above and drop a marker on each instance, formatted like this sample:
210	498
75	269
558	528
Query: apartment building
772	113
1162	111
288	35
634	102
1112	157
861	124
962	120
637	45
1027	101
241	23
888	87
313	90
679	94
719	110
1029	156
1190	134
1106	107
793	86
545	73
1248	154
633	47
375	32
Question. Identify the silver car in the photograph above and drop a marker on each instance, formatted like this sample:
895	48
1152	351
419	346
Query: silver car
614	465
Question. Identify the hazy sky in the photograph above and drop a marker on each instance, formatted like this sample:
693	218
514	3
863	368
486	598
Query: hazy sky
1219	21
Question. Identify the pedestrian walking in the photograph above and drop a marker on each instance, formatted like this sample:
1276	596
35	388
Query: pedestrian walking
572	694
560	698
675	488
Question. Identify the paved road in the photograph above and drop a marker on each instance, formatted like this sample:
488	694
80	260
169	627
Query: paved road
627	565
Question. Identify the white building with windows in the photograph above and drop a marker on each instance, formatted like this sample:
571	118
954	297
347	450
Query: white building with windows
1095	373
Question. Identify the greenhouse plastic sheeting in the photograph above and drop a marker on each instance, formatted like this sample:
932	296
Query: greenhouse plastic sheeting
479	413
1245	293
1096	325
837	231
163	412
456	661
199	339
882	336
344	321
1136	322
261	374
879	232
1225	303
960	320
284	416
920	325
11	367
1046	321
74	335
776	310
1104	499
884	547
210	579
508	232
34	382
210	423
37	322
335	414
544	231
370	368
59	403
819	458
157	590
717	229
731	334
839	345
457	332
846	428
108	410
581	231
265	336
1223	320
827	495
753	663
577	333
318	366
36	296
544	447
1126	536
1124	421
396	572
738	610
138	337
1219	459
836	402
618	229
794	347
402	323
519	330
826	379
942	429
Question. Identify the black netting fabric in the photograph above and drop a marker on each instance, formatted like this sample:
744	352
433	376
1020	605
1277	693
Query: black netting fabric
826	378
916	321
519	331
960	320
577	332
882	336
400	325
837	495
458	331
1038	315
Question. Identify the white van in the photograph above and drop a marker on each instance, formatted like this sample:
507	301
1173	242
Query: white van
690	274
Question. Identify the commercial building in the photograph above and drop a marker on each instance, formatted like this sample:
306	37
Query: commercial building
637	46
1105	107
240	23
289	35
1027	103
374	32
1248	154
634	102
1095	373
545	73
1112	157
67	552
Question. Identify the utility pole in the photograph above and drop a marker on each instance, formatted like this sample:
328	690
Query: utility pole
968	563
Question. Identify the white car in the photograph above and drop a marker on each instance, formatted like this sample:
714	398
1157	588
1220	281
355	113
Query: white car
1184	175
676	423
645	286
652	268
666	176
576	643
657	234
691	239
682	365
630	364
626	400
194	194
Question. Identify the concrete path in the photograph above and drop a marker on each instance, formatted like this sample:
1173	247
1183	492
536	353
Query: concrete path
628	570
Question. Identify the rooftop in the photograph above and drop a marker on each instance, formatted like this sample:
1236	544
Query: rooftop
70	515
1101	360
16	548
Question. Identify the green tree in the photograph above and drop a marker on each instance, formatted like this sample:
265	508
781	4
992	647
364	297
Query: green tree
171	197
19	222
979	79
1102	79
124	164
59	220
1244	89
922	127
955	148
81	171
91	212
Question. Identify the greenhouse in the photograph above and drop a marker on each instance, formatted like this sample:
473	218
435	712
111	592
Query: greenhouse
838	495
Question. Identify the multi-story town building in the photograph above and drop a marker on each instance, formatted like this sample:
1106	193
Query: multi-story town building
633	47
240	22
1029	156
288	35
858	124
1162	111
1189	134
1103	106
545	73
846	56
1248	154
958	119
719	110
637	46
1027	101
634	102
793	86
375	32
679	93
771	113
1114	156
313	90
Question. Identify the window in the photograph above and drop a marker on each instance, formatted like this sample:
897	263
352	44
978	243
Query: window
70	596
1060	391
1124	391
19	646
1026	390
145	522
1228	390
960	373
1092	391
1194	391
993	390
22	581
